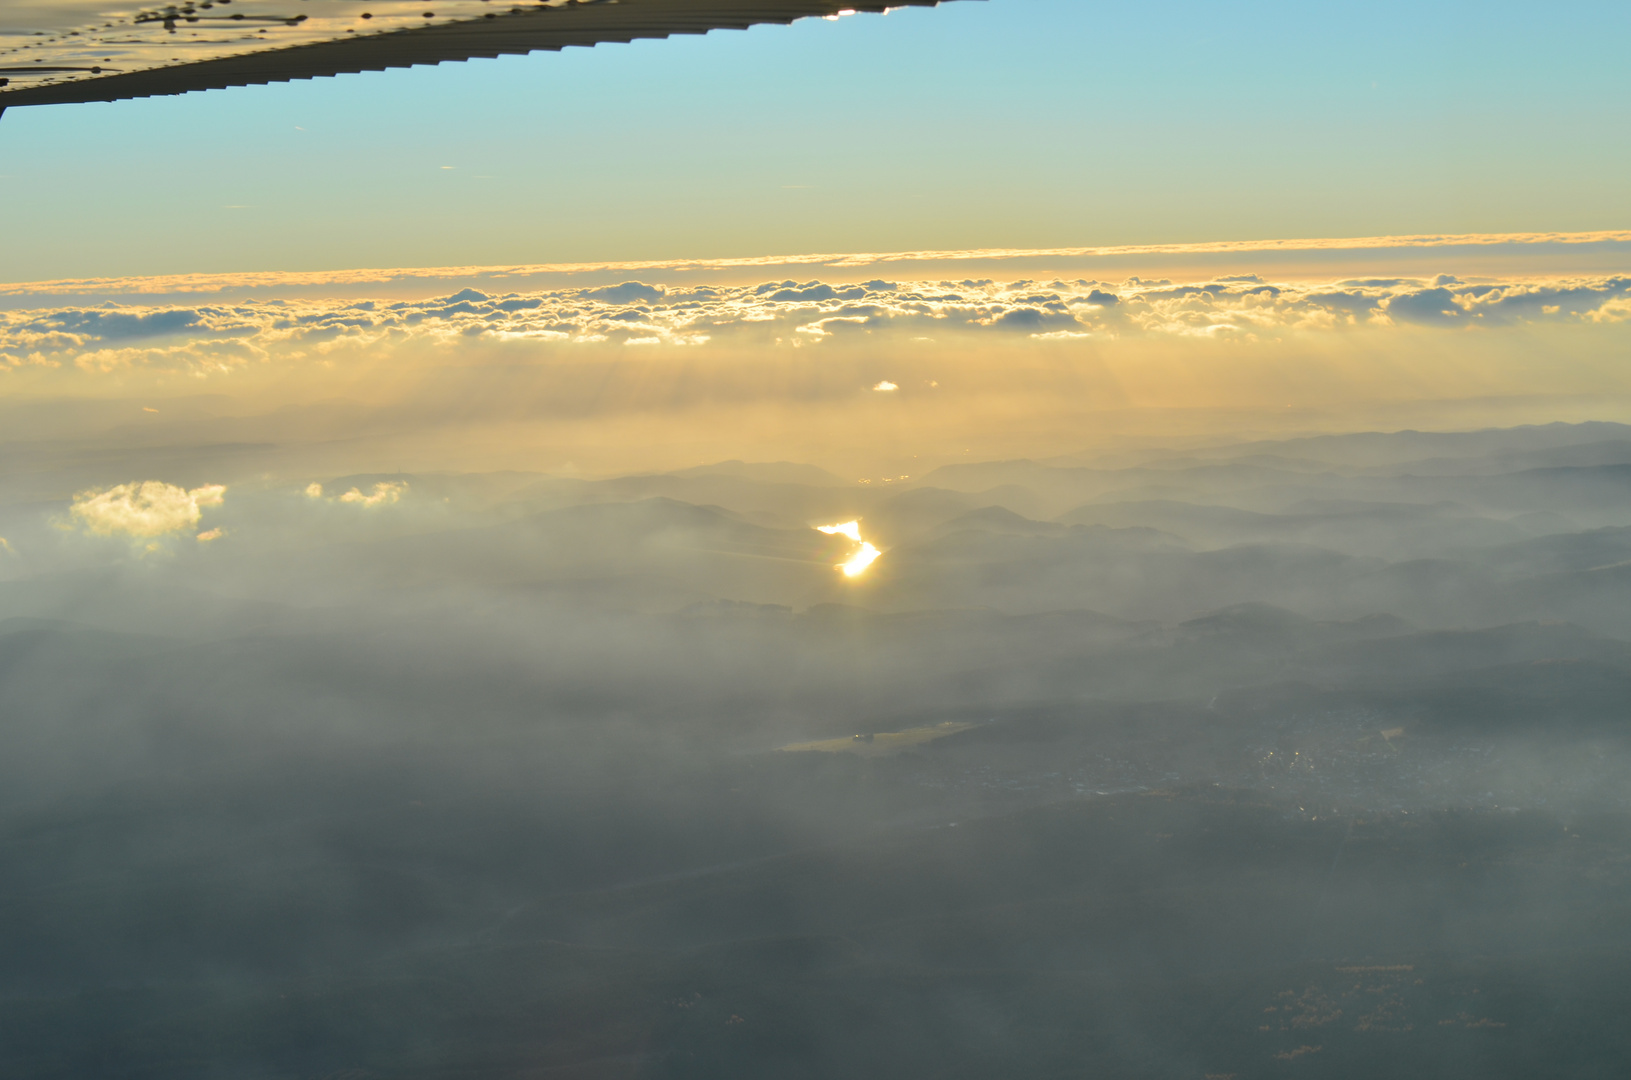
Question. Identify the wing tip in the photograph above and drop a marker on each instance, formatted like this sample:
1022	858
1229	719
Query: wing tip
453	42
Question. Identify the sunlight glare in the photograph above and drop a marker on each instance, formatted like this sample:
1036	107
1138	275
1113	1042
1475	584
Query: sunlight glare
851	529
864	557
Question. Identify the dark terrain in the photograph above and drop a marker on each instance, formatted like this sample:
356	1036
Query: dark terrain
1304	759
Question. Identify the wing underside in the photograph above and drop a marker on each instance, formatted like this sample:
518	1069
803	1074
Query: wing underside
81	51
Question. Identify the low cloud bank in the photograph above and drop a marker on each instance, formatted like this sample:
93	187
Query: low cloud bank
218	338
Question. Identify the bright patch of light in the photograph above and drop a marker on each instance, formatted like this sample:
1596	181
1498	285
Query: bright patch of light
886	386
851	529
864	556
862	559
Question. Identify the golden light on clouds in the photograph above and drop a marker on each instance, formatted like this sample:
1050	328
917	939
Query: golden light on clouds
864	555
147	509
469	380
385	493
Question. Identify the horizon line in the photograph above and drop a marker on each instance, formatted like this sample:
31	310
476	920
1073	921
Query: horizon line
212	281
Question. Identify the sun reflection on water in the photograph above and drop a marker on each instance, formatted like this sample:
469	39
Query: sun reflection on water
863	557
851	529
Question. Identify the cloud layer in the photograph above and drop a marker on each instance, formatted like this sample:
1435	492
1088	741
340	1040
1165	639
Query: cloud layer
214	338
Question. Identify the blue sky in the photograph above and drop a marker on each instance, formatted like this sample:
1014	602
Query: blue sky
1005	123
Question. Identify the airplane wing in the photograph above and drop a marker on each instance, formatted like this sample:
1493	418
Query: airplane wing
62	51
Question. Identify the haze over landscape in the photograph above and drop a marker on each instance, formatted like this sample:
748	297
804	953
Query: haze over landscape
1141	656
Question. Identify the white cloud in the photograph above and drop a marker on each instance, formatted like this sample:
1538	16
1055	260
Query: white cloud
148	509
1616	310
385	493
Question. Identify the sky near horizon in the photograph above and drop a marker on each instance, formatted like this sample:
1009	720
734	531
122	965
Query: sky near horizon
1010	228
1003	123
